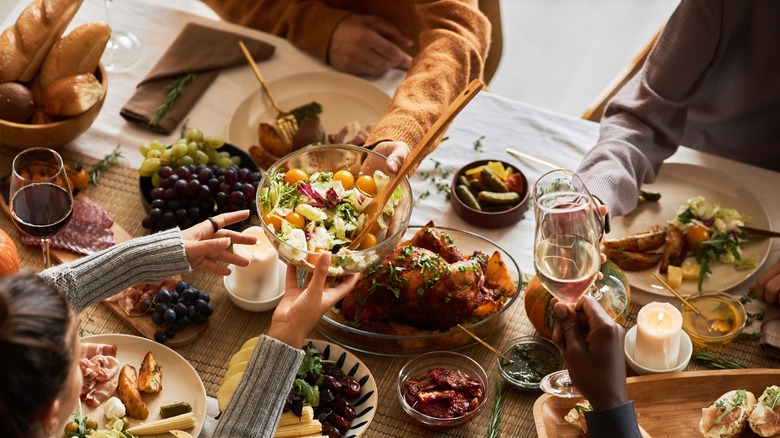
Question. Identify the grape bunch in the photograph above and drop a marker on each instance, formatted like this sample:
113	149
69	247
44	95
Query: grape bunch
192	193
194	148
174	310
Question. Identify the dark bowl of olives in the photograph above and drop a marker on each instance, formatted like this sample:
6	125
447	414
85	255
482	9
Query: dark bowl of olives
533	358
490	194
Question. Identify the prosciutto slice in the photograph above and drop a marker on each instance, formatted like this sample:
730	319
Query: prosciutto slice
709	415
769	417
100	369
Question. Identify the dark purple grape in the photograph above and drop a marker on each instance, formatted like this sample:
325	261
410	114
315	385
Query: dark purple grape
222	197
204	296
159	336
158	318
148	222
204	191
157	193
158	203
186	224
169	315
244	174
155	214
168	218
147	303
203	308
213	184
193	213
181	310
249	191
160	308
165	171
170	333
181	285
256	176
184	321
181	186
184	173
225	187
191	313
181	215
163	296
231	177
205	175
175	296
194	186
190	294
170	194
237	197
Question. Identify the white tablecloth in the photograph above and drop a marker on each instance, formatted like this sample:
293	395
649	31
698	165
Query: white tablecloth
502	122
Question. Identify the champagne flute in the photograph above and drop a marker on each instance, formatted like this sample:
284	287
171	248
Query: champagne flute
41	198
566	248
122	49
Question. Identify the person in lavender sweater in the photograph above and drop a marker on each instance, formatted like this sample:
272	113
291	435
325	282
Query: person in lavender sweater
40	377
710	83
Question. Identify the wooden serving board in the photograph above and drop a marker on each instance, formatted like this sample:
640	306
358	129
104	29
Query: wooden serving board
666	404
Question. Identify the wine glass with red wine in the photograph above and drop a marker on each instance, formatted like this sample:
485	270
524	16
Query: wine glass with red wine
567	258
41	200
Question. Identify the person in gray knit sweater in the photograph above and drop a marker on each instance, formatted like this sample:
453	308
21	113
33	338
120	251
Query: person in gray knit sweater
40	378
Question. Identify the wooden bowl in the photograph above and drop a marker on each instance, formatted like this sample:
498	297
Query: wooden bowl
56	134
488	219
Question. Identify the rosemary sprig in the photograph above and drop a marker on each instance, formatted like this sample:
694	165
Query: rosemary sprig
107	162
173	92
494	428
709	359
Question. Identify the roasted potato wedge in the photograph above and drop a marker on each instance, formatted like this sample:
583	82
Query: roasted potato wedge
271	141
645	241
150	377
497	276
674	250
262	157
130	395
633	261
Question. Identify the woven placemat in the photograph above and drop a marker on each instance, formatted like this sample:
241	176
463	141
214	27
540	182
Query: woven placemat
230	326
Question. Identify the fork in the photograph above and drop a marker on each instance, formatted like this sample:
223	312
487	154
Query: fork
285	121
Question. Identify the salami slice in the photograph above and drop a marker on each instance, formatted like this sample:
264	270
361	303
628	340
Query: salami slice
88	231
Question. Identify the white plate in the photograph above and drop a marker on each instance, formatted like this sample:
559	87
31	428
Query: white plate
180	380
677	183
366	405
344	98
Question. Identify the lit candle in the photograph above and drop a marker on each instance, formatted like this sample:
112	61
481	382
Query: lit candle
658	328
259	281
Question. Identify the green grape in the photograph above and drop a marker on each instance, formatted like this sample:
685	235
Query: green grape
194	134
236	160
154	153
212	154
156	145
145	149
166	155
156	179
192	147
150	166
223	154
201	157
213	142
179	150
224	162
185	160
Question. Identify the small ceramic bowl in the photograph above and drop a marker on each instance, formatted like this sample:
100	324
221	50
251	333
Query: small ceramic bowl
488	219
252	305
534	357
686	351
722	318
420	366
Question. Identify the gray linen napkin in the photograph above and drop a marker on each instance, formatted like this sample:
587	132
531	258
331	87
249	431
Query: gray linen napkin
770	331
198	49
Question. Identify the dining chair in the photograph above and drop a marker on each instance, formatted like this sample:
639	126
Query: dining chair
492	10
596	110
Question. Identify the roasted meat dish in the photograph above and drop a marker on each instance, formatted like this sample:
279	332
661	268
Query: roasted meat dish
426	283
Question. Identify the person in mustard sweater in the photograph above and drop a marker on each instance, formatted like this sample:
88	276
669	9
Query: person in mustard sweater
443	45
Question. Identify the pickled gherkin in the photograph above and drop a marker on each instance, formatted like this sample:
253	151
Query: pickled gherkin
465	195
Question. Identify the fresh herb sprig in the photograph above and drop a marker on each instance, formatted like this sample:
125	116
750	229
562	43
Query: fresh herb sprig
103	165
709	359
494	428
173	93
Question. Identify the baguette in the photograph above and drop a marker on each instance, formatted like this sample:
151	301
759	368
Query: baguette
727	417
24	45
76	53
72	95
764	420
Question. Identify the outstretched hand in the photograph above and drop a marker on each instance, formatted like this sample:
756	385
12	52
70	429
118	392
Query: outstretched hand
301	308
368	45
204	246
592	345
767	287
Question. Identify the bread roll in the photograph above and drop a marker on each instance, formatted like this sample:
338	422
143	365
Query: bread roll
727	416
16	102
24	45
76	53
765	420
72	95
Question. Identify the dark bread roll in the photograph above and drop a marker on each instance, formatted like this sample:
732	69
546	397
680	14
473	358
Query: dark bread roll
16	102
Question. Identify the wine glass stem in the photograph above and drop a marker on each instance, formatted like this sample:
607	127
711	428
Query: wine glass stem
46	253
108	12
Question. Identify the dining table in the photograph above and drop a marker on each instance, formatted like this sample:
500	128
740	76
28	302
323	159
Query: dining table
483	130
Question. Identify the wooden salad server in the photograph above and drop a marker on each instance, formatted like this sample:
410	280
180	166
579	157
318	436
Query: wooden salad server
374	208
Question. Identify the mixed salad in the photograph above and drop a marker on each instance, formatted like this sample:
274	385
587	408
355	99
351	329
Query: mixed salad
322	211
713	233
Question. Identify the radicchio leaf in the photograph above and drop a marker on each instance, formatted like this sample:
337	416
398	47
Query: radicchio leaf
316	200
333	198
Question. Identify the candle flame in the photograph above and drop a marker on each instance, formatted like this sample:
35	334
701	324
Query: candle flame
660	318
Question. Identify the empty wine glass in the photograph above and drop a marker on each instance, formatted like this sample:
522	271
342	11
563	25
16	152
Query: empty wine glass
41	199
122	49
566	248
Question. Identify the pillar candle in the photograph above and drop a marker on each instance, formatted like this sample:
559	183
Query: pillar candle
658	336
260	280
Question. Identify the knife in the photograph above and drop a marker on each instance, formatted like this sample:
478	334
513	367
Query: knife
759	232
522	155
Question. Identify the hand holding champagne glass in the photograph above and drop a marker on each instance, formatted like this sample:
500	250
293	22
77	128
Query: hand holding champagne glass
41	199
566	247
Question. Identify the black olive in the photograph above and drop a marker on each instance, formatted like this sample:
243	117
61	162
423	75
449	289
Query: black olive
322	413
338	422
343	408
330	431
326	397
350	387
331	383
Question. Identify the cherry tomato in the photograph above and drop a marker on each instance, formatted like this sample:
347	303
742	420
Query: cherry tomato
366	184
296	220
295	175
312	258
696	234
273	219
346	178
368	241
79	178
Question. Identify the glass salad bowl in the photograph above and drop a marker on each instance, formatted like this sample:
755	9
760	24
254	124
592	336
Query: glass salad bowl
404	340
317	219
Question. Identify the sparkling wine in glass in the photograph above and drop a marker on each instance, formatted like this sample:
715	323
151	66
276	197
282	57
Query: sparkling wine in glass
122	49
41	200
566	252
